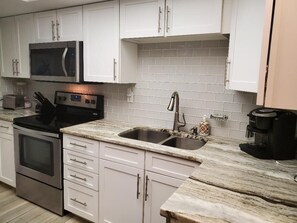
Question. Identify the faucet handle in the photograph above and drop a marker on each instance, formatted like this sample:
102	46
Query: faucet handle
183	124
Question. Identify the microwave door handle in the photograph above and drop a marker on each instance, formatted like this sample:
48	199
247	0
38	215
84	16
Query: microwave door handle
63	61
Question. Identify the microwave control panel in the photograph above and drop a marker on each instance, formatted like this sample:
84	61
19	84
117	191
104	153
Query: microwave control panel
78	100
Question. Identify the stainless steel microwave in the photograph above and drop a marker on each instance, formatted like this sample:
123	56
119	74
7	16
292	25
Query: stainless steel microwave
57	61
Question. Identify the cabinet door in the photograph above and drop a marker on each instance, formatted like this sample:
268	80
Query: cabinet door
144	18
69	24
45	26
101	41
158	188
25	35
248	43
189	17
8	46
281	88
7	168
121	193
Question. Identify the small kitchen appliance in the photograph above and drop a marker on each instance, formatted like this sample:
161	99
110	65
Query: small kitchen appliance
13	101
272	133
38	147
57	61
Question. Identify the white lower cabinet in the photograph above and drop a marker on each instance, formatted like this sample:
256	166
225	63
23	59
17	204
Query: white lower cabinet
81	176
129	186
158	188
121	189
7	164
81	201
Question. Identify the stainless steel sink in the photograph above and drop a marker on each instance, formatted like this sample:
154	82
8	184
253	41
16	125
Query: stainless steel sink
145	134
162	138
184	143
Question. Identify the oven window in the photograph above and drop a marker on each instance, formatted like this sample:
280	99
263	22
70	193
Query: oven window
37	154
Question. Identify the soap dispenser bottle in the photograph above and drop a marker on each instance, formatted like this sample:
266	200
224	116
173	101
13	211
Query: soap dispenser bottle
204	127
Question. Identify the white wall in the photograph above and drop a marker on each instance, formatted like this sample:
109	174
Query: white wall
194	69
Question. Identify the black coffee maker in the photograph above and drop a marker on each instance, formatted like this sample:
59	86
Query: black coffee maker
273	134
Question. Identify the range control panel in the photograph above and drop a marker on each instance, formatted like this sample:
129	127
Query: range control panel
79	100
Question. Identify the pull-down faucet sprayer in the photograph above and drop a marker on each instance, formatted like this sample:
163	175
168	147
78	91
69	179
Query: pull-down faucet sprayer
176	124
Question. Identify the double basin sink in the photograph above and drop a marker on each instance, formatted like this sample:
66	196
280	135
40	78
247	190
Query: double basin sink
162	138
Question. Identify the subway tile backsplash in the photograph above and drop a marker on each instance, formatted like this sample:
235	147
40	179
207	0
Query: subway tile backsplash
195	69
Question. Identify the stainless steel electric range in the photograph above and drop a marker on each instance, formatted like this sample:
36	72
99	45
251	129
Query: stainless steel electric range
38	147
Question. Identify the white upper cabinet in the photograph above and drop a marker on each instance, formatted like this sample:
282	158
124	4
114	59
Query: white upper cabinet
155	18
8	47
143	18
69	24
16	34
106	58
191	17
249	42
25	35
59	25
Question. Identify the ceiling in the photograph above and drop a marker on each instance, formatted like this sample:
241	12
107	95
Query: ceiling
16	7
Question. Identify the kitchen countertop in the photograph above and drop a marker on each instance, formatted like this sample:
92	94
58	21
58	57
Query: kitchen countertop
228	186
9	115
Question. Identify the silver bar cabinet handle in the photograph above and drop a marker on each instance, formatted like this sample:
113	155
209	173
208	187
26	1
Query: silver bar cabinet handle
53	30
226	80
146	187
74	144
17	67
57	29
138	192
80	178
114	69
167	18
159	19
13	69
77	161
4	127
79	202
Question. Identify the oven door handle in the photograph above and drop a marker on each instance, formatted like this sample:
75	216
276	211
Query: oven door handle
49	134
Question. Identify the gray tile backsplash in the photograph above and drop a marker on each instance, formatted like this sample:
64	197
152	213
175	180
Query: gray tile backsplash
194	69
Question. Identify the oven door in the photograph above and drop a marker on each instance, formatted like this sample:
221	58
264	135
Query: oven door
38	155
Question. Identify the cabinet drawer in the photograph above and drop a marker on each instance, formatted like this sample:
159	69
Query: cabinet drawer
81	201
81	177
122	154
170	166
6	127
81	145
81	161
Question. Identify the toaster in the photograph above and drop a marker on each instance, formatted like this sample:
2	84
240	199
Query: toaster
12	101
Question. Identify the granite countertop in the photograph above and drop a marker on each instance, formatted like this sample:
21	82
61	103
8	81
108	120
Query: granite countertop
9	115
228	186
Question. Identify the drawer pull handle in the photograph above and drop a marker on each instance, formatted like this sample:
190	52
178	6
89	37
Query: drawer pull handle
74	144
79	202
146	187
80	178
77	161
137	191
4	127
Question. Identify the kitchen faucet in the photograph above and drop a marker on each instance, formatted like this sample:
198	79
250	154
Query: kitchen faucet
176	124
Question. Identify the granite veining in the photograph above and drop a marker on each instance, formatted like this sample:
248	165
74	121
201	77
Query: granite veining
9	115
228	186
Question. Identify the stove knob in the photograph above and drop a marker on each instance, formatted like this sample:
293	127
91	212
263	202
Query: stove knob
64	98
87	101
